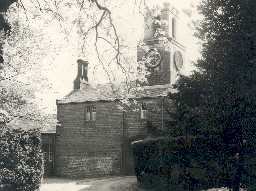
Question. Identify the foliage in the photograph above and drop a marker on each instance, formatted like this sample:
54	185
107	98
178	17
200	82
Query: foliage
218	101
21	159
17	61
185	163
95	30
170	164
45	29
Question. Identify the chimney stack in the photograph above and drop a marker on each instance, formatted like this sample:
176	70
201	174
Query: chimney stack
82	73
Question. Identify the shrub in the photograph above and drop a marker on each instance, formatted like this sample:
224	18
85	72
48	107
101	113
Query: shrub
20	159
160	162
188	163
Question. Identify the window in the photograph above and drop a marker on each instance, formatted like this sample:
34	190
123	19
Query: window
143	111
87	114
173	27
90	113
93	114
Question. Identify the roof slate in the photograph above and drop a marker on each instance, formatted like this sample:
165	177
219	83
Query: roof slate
106	92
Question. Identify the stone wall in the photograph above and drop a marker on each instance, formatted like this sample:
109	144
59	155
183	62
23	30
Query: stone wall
97	148
88	148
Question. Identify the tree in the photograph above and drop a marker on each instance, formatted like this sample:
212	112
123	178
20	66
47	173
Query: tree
89	27
218	101
25	43
9	97
14	95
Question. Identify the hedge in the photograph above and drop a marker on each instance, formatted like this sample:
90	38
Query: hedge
20	159
189	163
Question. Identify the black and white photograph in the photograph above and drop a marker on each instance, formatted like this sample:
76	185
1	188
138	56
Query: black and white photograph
127	95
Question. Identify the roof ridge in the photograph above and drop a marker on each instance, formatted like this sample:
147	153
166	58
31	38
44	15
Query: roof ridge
105	92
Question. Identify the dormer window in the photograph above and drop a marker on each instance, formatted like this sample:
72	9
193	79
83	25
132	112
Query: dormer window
143	111
90	113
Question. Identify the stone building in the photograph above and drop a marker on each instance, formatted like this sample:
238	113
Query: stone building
94	133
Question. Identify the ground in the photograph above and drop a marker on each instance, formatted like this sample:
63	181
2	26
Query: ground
127	183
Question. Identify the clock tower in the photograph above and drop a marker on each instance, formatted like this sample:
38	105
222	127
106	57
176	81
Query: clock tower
162	54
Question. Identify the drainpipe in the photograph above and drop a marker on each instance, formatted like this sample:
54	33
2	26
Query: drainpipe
124	142
125	133
162	113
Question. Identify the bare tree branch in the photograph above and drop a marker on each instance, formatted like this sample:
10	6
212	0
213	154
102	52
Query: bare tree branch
98	54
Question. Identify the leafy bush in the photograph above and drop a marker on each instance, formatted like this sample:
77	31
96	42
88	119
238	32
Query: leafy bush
189	163
160	162
20	159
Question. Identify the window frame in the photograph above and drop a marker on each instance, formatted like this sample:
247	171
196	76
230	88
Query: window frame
143	111
93	113
90	113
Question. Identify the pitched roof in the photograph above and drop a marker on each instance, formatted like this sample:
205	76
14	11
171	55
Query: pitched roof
106	92
47	126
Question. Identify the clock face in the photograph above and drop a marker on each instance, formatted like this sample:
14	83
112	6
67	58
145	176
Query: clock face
152	58
178	60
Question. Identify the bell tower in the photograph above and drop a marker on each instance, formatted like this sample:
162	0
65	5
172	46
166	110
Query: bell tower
162	54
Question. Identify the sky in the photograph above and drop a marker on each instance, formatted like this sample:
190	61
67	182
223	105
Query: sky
60	69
